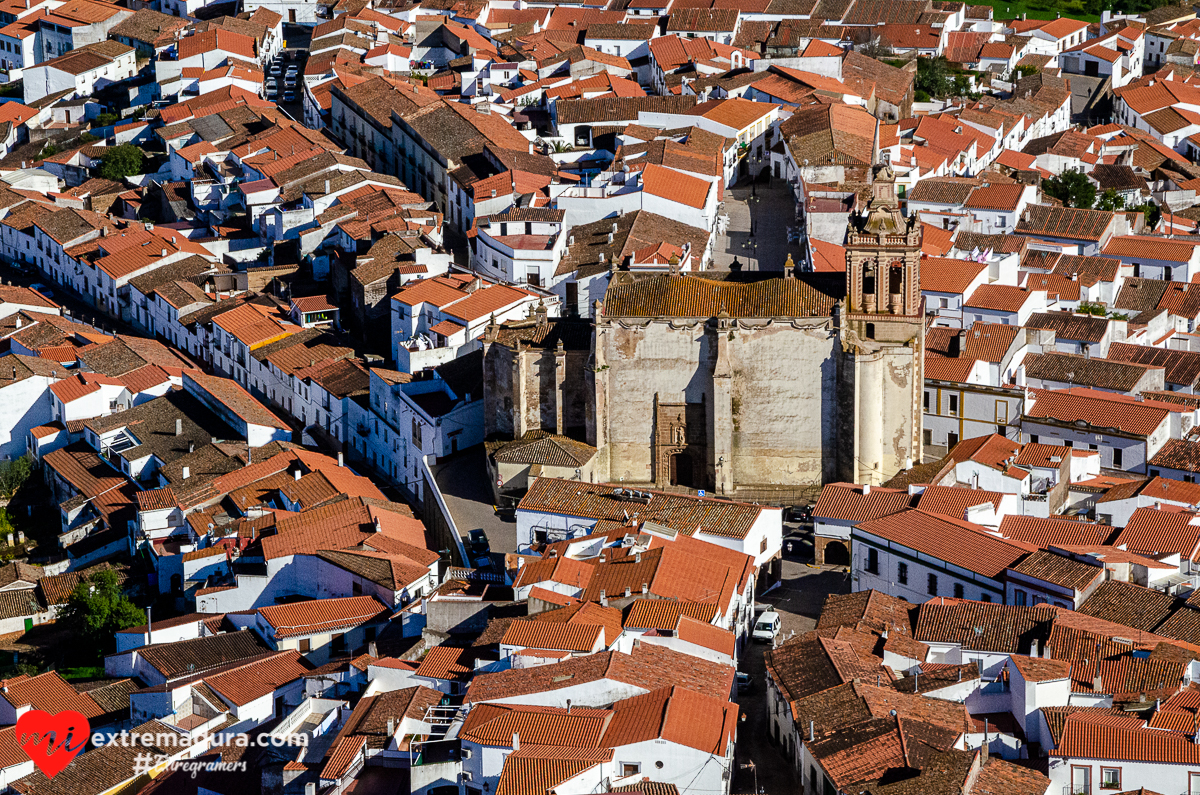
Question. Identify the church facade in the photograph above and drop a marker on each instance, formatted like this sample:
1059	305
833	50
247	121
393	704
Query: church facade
754	387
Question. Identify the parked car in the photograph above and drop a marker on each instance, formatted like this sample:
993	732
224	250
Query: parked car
767	627
275	71
293	69
477	542
289	96
798	513
744	683
38	287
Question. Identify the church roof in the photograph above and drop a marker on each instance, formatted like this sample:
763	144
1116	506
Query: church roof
662	295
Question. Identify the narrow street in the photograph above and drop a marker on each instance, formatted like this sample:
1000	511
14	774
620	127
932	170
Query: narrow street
798	600
465	486
759	217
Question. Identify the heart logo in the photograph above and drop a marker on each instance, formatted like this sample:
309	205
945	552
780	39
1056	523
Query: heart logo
52	741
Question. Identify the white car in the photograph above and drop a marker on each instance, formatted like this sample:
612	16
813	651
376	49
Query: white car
767	627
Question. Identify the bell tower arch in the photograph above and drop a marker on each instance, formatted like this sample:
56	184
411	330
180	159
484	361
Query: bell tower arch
883	255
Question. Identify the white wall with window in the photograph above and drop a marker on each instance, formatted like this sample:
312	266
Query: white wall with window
885	566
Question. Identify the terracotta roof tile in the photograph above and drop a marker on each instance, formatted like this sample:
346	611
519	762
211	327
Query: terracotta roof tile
1059	570
647	666
942	275
322	615
1154	532
953	540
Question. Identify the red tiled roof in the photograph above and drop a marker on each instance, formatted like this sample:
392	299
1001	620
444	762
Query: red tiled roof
996	197
1130	417
848	502
257	679
157	499
953	501
999	297
942	275
665	613
1154	532
448	662
1150	247
953	540
322	615
1118	737
551	635
704	634
48	692
675	186
217	39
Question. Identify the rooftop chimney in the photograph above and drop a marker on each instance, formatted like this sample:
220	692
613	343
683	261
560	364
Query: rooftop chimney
191	447
178	426
812	730
516	743
187	473
341	460
164	252
297	474
866	489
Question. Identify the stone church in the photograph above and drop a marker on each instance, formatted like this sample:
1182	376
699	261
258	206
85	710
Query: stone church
741	384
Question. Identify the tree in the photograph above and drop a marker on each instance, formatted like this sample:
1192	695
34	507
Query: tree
1151	212
1109	200
13	475
96	610
933	77
121	161
1072	188
878	47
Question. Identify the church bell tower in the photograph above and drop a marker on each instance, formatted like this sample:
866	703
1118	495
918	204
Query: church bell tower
882	333
883	255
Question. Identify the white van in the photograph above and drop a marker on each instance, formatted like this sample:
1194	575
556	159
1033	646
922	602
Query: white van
767	627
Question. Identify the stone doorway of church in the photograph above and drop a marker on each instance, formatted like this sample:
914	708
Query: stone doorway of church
682	471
